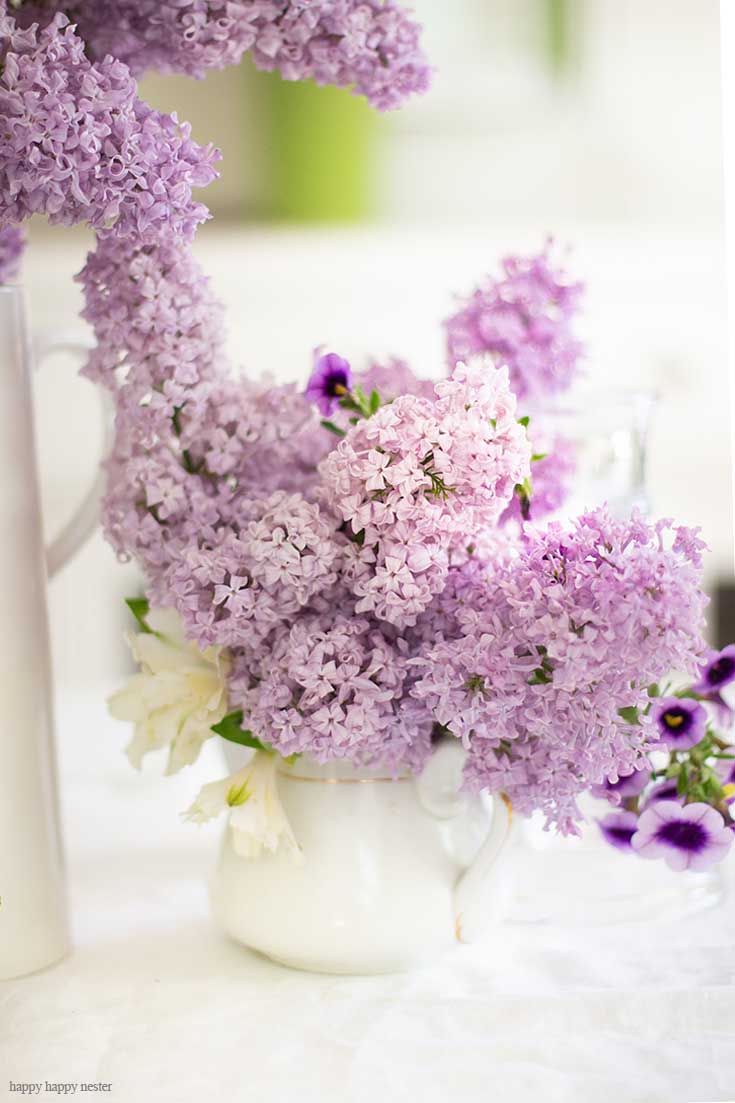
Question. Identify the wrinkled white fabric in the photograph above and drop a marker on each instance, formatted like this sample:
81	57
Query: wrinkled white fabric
156	1002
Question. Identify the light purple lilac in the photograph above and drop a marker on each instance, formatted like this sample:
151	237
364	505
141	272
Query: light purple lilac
370	46
552	643
78	146
523	320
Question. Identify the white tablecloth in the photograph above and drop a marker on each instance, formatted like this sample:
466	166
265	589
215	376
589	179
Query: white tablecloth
156	1003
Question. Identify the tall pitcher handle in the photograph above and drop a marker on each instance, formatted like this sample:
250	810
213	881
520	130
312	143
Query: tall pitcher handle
439	788
85	518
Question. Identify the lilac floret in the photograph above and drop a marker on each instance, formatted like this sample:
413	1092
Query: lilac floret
691	836
680	723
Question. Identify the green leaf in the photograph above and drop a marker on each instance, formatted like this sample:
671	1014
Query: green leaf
333	428
524	421
629	714
140	607
374	402
538	456
683	781
231	729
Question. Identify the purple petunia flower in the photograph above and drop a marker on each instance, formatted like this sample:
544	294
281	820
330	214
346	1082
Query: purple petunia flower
628	785
717	672
691	836
618	828
662	790
330	381
680	723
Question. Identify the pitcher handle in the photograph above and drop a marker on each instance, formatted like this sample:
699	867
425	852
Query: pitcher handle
439	788
85	518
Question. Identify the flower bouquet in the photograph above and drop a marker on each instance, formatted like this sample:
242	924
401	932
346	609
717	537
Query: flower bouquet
360	571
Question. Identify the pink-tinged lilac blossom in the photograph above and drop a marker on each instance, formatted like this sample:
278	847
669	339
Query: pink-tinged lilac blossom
618	829
551	643
524	321
77	145
418	476
370	46
12	244
330	381
690	836
681	723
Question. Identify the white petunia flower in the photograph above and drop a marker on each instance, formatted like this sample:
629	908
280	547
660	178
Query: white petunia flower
178	695
257	819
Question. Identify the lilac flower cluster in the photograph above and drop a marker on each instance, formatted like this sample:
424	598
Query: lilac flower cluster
371	46
335	685
523	320
680	808
419	477
12	244
77	145
554	652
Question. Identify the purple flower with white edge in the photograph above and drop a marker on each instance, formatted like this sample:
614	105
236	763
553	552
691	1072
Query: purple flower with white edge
663	790
717	672
628	785
681	723
618	828
690	836
330	381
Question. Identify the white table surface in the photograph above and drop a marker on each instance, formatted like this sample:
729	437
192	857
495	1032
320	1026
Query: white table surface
156	1002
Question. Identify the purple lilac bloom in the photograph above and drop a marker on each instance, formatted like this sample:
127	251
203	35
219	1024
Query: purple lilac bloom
416	478
524	321
370	46
335	685
551	643
681	723
77	145
330	381
618	828
12	244
690	836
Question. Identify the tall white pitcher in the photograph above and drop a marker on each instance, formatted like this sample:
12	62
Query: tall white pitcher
33	917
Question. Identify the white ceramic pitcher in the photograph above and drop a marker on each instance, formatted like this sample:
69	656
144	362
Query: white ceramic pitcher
33	921
392	874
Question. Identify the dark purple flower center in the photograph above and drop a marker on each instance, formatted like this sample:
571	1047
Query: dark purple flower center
677	720
336	383
721	670
683	835
621	835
